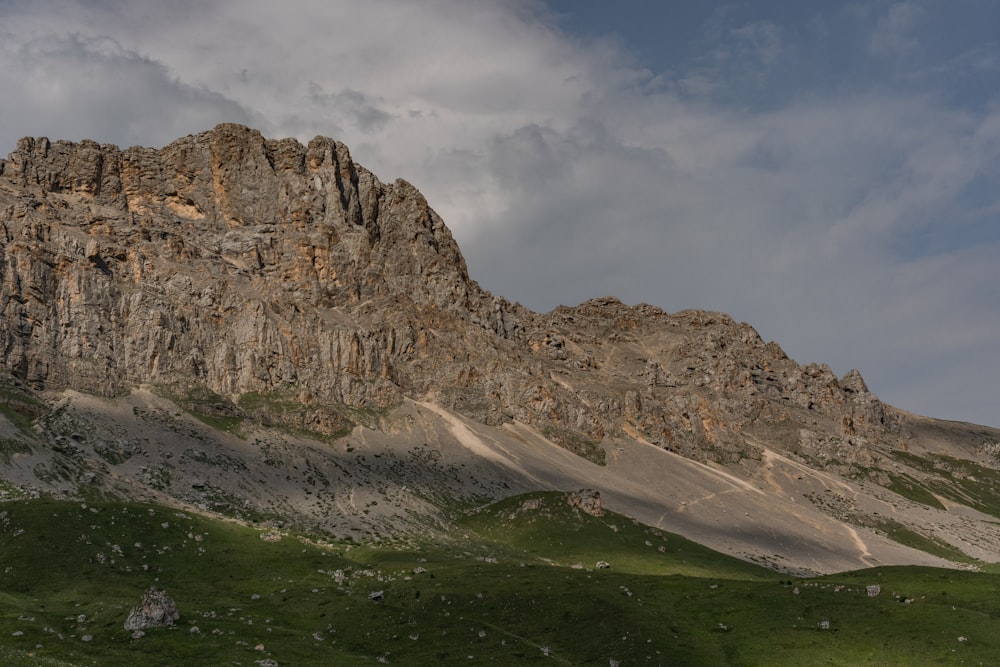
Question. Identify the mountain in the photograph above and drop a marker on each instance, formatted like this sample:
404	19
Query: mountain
264	329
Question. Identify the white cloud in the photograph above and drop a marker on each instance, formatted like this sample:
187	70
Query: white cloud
79	86
761	40
895	32
568	173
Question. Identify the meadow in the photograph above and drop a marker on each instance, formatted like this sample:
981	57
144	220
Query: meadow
521	582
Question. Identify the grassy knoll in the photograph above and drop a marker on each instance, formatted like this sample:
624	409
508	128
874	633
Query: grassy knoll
518	585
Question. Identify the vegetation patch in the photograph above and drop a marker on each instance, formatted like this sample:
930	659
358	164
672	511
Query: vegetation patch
280	410
530	580
369	417
284	411
205	405
9	491
12	446
908	487
577	444
546	527
961	481
20	406
906	536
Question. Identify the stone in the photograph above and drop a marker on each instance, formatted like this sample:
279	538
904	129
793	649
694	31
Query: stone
531	504
586	500
157	610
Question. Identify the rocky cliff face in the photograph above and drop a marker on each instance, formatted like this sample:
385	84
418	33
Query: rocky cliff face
265	329
241	264
224	259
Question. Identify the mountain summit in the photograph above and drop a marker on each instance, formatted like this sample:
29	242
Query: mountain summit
239	323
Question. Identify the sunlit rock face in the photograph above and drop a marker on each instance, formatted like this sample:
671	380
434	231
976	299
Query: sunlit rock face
252	265
263	328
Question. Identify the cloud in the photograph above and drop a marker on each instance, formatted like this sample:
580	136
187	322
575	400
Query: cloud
895	32
796	220
760	40
362	111
567	171
78	86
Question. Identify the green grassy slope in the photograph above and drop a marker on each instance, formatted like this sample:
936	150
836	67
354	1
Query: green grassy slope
516	587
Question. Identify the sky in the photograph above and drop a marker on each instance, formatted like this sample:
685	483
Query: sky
826	171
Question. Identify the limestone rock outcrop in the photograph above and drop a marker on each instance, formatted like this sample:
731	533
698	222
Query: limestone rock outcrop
157	610
586	500
263	329
249	266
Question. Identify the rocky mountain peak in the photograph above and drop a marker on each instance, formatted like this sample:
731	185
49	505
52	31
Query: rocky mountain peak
306	315
244	264
212	257
247	264
234	192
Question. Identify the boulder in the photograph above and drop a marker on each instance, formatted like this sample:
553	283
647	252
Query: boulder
157	610
587	500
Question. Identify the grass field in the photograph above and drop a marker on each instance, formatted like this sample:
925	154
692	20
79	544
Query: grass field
515	586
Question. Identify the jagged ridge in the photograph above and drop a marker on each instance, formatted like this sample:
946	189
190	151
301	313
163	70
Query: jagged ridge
226	258
254	265
285	288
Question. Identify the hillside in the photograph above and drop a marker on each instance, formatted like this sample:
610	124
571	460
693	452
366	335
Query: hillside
529	580
265	330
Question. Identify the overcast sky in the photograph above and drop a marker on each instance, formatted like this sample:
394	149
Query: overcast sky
826	171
